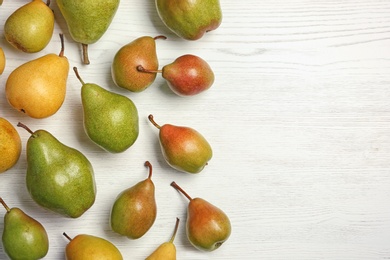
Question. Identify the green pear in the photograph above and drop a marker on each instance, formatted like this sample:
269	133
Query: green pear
190	19
87	247
134	210
59	178
110	119
30	27
124	68
183	148
23	237
207	227
88	20
166	250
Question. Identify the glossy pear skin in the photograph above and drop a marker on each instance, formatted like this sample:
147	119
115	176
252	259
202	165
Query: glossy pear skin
190	19
110	119
86	247
59	178
134	210
10	145
23	236
188	75
30	28
183	148
141	51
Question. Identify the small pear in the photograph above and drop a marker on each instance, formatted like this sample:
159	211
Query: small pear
2	60
10	145
38	87
140	52
134	210
110	119
23	237
183	148
88	20
87	247
188	75
207	227
59	178
30	27
167	250
190	19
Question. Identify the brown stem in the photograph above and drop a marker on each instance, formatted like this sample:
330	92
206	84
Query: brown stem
62	45
150	117
25	127
140	68
66	235
48	2
4	204
163	37
177	187
78	75
148	164
175	230
85	53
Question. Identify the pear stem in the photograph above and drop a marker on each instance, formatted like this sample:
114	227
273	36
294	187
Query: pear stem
48	2
4	204
66	235
78	75
25	127
148	164
177	187
175	230
150	117
85	53
140	68
160	37
62	45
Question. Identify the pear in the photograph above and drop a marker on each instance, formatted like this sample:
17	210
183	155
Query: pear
30	27
134	210
190	19
59	178
23	236
88	20
110	119
140	52
183	148
10	145
2	60
207	227
86	247
166	250
38	87
188	75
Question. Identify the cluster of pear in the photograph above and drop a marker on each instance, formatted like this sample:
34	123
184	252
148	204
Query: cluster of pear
61	178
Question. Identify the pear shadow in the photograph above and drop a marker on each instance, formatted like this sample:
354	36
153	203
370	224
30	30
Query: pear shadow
158	23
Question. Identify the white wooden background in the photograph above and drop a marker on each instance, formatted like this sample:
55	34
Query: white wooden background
298	117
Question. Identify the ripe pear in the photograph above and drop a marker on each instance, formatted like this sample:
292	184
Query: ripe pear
23	236
188	75
87	247
140	52
190	19
183	148
30	27
10	145
38	87
2	61
167	250
207	227
59	178
110	119
87	20
134	210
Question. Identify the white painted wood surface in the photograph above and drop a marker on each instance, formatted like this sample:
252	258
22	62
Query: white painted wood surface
298	117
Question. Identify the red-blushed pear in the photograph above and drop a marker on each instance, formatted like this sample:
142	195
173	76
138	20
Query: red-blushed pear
207	227
188	75
183	148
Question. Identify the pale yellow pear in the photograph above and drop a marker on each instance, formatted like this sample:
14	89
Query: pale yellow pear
38	87
167	250
10	145
2	61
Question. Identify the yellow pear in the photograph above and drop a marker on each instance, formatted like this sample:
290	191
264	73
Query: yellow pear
10	145
2	61
167	250
38	87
